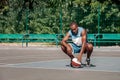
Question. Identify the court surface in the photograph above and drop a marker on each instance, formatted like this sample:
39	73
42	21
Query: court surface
50	63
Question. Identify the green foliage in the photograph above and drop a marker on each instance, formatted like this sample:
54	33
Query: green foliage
44	15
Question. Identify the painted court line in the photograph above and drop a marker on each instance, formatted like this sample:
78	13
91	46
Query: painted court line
21	57
105	64
3	63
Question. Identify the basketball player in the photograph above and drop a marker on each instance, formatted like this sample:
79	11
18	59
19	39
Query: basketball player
79	44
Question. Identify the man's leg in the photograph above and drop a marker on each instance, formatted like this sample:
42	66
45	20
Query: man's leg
67	51
89	50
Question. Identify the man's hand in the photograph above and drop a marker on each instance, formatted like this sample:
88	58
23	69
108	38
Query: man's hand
83	45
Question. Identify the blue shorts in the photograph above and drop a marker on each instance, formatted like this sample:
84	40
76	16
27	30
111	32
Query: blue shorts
75	48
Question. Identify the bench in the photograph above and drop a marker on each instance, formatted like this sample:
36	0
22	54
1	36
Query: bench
11	37
56	38
99	38
104	38
27	38
90	37
40	38
107	38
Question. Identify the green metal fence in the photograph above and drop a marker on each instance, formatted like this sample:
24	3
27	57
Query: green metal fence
42	20
113	39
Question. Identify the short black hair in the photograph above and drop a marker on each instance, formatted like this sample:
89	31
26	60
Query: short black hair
73	23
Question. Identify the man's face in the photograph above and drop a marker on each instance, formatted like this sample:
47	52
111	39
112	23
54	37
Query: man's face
74	29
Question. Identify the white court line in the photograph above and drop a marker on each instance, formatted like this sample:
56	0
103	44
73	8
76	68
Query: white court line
3	64
95	49
53	68
107	50
30	48
70	68
55	48
36	62
80	69
23	57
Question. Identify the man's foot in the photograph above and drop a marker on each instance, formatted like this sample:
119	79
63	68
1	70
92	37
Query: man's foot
88	61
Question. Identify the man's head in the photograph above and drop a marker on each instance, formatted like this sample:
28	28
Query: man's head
74	27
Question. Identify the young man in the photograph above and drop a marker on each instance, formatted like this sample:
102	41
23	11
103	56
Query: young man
78	45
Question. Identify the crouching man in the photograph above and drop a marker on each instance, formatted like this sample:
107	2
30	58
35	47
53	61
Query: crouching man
79	44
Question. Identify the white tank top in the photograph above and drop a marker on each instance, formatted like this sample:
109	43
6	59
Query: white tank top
76	38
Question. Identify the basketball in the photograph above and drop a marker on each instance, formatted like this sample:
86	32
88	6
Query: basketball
75	63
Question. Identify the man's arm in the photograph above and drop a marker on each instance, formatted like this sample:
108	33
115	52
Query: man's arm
83	45
64	40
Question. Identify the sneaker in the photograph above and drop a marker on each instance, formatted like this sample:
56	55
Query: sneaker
88	61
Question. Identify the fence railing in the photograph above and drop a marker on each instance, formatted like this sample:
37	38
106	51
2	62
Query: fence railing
95	39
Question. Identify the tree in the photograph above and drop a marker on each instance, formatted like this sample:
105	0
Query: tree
46	16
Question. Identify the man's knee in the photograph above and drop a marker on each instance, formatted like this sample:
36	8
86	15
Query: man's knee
69	49
90	46
63	48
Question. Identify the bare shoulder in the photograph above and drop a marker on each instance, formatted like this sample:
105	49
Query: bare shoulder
84	32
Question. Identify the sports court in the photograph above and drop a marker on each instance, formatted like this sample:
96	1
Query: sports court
45	22
50	63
